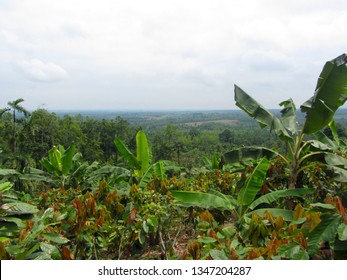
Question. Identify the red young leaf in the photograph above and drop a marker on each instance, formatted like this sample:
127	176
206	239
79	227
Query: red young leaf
133	215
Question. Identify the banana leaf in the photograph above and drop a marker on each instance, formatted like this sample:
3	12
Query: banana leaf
245	154
253	183
320	136
146	177
142	152
264	117
287	215
159	170
111	169
335	160
273	196
333	129
229	198
325	231
126	154
289	118
330	94
54	156
203	200
324	206
49	167
339	174
319	145
66	159
35	177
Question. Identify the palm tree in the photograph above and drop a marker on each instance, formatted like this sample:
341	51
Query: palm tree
15	107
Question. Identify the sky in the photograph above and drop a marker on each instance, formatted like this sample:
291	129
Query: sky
164	54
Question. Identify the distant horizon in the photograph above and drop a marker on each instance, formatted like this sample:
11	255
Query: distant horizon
344	107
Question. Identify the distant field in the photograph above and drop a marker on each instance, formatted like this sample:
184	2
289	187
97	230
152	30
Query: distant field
224	122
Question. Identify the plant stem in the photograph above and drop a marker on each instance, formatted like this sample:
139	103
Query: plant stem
294	167
95	252
162	244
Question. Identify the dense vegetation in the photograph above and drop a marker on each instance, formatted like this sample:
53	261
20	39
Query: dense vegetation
178	185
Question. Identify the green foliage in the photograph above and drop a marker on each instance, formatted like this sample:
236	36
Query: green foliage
264	117
246	154
143	152
140	163
210	200
59	163
253	183
329	95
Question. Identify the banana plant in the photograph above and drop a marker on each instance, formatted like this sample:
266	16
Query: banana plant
247	201
141	161
144	170
59	162
329	95
213	163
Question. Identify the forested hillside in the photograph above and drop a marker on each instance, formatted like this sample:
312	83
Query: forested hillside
183	137
243	184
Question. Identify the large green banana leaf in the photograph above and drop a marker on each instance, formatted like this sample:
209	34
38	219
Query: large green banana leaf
325	231
59	160
330	94
264	117
289	118
253	183
126	154
141	161
337	165
326	140
340	174
245	154
54	156
333	129
275	195
142	152
66	159
204	200
336	160
157	169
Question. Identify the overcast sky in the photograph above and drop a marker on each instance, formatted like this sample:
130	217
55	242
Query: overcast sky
163	54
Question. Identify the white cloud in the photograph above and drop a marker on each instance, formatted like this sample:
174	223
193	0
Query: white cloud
36	70
173	46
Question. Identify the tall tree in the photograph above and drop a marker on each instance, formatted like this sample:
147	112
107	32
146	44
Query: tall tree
15	107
